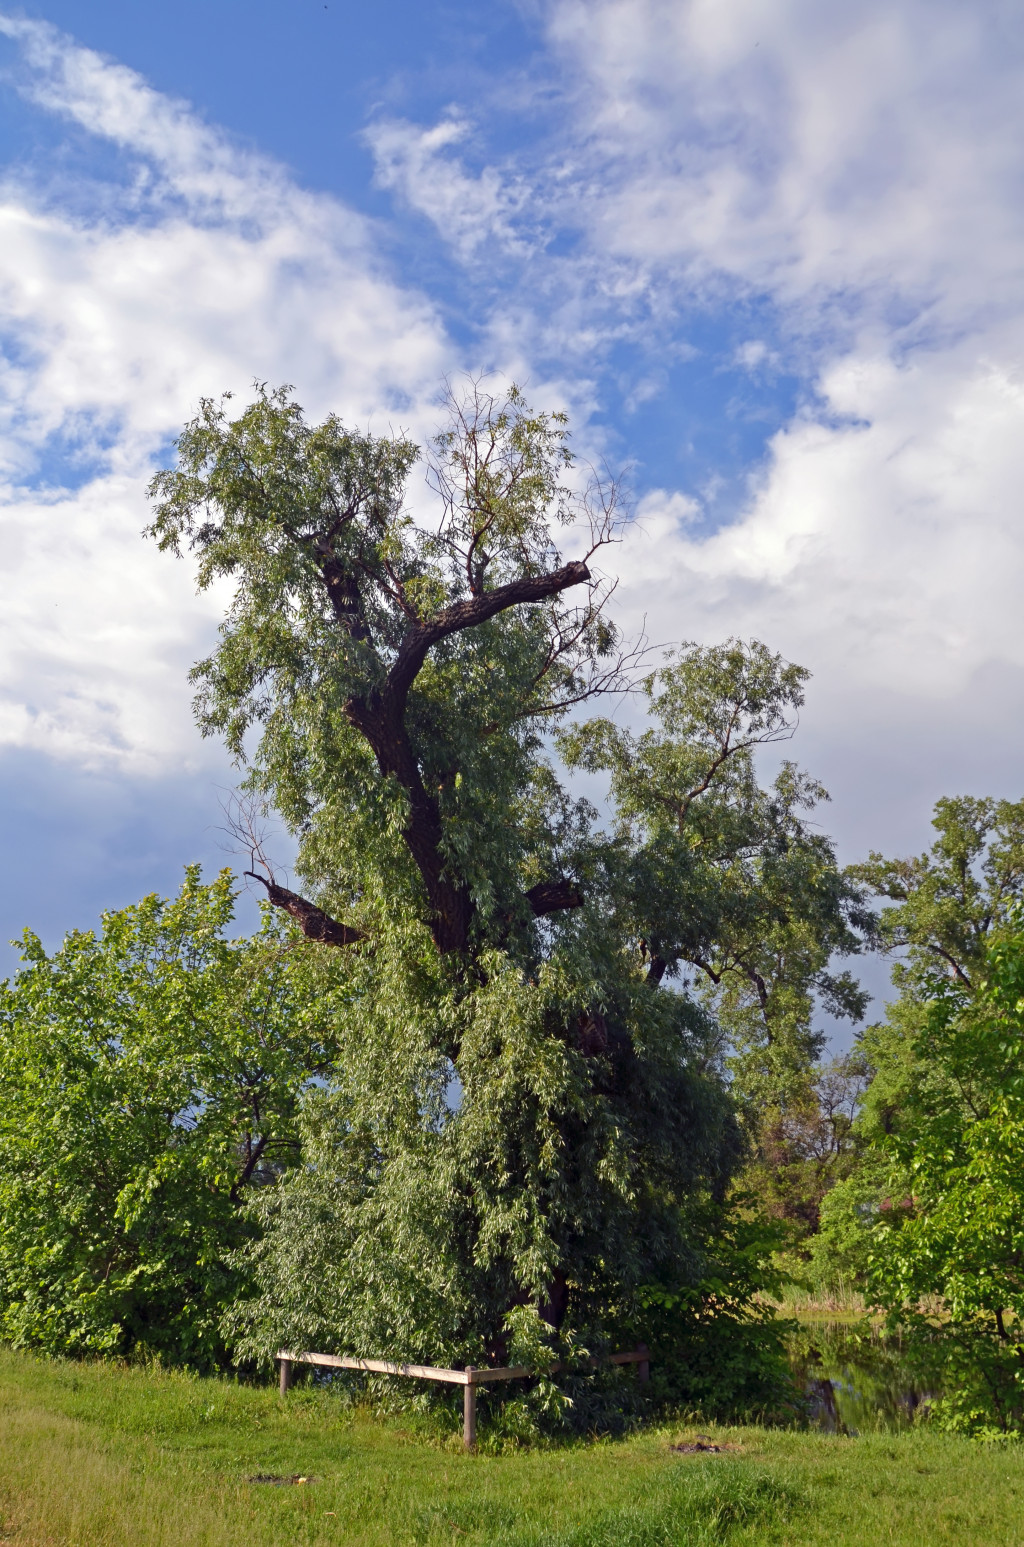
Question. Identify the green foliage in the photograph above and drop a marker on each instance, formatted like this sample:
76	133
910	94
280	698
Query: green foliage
719	875
931	1216
731	888
944	903
947	1252
942	908
717	1346
807	1147
149	1075
840	1251
414	1227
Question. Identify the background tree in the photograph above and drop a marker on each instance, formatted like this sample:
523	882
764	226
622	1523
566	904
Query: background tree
807	1143
944	904
730	888
941	1242
928	1222
151	1077
942	909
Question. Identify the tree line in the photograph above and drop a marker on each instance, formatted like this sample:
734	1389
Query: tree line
511	1075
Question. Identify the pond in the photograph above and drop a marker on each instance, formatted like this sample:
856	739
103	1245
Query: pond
856	1378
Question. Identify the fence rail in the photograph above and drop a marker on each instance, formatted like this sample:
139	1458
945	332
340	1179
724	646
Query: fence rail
469	1378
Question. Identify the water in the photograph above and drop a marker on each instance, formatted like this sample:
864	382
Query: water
857	1379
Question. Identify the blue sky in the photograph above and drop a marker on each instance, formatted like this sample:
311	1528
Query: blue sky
299	82
766	252
305	84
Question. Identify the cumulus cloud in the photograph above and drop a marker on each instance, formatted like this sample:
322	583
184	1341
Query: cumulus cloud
194	269
859	169
886	553
804	148
866	545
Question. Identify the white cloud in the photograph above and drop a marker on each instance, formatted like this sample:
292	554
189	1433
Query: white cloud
866	547
887	555
98	632
754	355
203	268
805	148
469	209
860	168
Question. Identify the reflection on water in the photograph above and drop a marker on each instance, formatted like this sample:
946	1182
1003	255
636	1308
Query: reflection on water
856	1378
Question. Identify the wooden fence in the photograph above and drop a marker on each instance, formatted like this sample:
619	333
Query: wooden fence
469	1379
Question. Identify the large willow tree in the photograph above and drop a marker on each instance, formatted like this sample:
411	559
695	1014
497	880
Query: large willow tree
527	1110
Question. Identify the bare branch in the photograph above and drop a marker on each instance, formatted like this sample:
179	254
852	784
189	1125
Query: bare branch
242	816
600	678
244	822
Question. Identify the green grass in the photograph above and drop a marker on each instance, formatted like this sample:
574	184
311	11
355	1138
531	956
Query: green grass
95	1456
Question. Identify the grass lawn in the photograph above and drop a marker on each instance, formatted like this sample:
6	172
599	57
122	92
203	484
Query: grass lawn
93	1456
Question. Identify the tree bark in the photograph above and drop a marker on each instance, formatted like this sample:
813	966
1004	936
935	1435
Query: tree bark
313	921
553	896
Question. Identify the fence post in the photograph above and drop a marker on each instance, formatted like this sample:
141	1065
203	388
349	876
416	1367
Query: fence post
643	1368
286	1375
469	1410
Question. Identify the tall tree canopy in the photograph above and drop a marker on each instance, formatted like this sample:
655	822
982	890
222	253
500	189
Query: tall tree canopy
396	689
718	879
398	673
